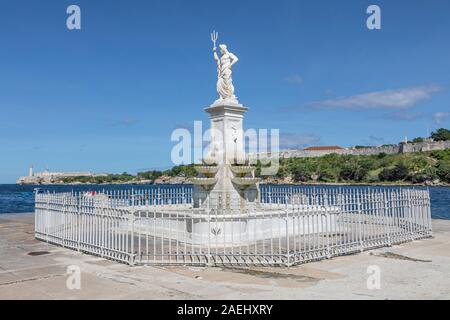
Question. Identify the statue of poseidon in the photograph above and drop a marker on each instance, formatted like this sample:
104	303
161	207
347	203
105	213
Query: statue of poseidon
225	63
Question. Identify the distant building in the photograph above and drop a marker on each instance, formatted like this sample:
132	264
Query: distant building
48	177
47	173
323	148
319	151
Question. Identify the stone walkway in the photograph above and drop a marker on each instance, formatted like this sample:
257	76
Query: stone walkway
30	269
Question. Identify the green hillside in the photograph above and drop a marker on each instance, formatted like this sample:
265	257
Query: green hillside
412	168
421	167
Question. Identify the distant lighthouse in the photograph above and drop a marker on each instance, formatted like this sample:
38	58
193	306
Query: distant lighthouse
30	171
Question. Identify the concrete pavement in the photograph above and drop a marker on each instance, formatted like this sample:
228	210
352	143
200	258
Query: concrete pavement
30	269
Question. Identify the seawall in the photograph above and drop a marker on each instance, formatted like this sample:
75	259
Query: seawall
390	149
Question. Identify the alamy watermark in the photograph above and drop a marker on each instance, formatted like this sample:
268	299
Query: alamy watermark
238	147
374	280
73	21
73	281
374	20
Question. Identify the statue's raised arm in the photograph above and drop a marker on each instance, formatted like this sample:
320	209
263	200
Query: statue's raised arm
225	62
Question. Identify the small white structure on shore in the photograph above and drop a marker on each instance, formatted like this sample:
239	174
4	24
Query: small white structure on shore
48	177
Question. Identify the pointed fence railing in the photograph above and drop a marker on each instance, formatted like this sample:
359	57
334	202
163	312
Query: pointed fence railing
292	225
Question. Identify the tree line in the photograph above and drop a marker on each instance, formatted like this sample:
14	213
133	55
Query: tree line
417	167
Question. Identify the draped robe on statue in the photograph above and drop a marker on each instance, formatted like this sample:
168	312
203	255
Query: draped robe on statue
225	86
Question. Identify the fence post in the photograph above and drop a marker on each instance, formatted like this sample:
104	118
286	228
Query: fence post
428	213
410	220
131	253
327	227
49	219
79	219
387	219
36	225
64	221
288	255
360	225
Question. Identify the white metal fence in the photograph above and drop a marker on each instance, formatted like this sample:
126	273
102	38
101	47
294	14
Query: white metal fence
291	225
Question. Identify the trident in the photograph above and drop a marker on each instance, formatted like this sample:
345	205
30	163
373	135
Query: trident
214	37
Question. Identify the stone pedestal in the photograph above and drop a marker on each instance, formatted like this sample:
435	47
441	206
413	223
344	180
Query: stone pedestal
226	151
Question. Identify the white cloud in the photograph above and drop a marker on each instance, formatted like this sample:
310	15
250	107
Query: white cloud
438	117
387	99
290	140
295	79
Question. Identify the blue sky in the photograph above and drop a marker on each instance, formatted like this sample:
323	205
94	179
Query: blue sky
106	98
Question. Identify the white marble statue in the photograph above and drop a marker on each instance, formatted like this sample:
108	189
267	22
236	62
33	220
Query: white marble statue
225	63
